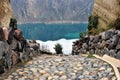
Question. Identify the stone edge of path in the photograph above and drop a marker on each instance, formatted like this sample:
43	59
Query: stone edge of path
117	73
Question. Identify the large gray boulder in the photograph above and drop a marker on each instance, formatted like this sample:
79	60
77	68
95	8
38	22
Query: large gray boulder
117	32
8	57
96	38
91	38
3	47
107	35
102	44
112	53
118	55
115	40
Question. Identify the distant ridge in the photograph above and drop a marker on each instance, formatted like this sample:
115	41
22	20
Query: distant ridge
49	11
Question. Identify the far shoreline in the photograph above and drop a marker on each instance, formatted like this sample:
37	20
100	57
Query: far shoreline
55	22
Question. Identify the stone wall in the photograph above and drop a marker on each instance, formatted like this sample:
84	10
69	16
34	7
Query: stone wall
107	42
107	10
14	48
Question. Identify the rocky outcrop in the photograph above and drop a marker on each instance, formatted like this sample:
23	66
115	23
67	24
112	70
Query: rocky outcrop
51	10
107	11
105	43
5	13
14	48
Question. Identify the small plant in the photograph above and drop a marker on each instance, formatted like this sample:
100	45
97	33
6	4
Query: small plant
82	34
58	48
90	55
110	26
13	23
93	22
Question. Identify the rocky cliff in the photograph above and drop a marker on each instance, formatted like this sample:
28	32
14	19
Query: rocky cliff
52	10
107	11
5	13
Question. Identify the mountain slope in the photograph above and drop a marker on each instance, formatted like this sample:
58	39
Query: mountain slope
51	10
5	13
107	10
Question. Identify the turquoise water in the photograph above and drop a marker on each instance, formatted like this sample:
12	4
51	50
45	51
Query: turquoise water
47	32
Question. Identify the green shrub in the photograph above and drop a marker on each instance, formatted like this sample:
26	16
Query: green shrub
110	26
13	23
58	48
93	22
90	55
82	34
93	31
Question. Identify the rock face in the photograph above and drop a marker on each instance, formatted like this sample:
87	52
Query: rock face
107	42
5	12
14	48
52	10
107	10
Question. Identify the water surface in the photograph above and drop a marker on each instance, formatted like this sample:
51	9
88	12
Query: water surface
45	32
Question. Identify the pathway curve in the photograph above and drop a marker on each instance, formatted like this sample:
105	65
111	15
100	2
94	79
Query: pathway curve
64	68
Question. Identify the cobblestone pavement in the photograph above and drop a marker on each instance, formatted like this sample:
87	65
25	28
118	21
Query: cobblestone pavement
64	68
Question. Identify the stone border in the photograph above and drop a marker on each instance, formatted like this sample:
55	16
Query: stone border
117	73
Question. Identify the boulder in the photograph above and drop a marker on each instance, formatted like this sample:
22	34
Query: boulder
115	40
2	56
14	44
119	41
118	55
96	38
14	57
2	67
111	46
27	52
102	45
107	35
117	32
84	46
91	38
8	57
10	35
107	42
102	52
97	51
112	53
5	30
3	47
18	34
18	47
103	35
93	46
118	47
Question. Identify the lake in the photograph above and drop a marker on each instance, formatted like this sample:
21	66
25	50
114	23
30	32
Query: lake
45	32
